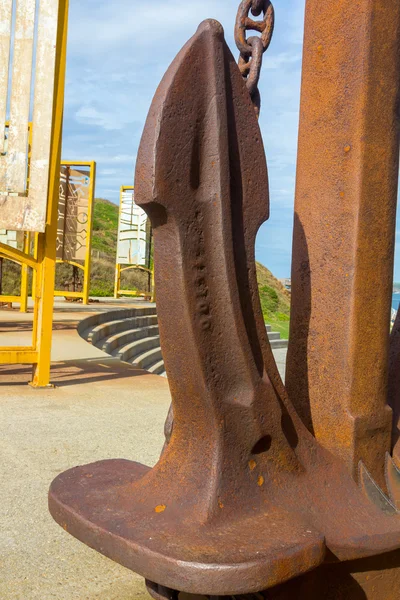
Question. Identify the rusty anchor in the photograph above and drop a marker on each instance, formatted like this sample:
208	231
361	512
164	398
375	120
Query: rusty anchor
244	497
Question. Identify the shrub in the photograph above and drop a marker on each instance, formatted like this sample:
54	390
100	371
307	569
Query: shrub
269	299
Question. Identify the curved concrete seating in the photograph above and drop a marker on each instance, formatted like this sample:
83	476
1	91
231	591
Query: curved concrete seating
132	336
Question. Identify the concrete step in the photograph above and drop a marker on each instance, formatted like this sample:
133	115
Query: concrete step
119	314
147	359
102	330
157	368
133	336
276	344
130	351
274	335
122	338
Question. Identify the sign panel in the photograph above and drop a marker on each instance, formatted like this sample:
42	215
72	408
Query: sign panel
132	231
73	210
28	50
15	239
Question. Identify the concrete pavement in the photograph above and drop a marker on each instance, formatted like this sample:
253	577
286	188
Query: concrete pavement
101	408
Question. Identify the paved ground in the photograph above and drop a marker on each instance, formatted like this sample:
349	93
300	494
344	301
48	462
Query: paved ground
280	358
101	408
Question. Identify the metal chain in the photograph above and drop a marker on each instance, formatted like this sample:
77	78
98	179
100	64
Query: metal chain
252	49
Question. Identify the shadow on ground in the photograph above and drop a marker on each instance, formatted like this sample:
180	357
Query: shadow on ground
70	372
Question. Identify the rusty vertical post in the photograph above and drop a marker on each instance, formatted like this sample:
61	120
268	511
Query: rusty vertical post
344	227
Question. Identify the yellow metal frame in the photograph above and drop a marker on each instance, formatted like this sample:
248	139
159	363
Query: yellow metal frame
119	269
23	297
44	259
84	295
24	262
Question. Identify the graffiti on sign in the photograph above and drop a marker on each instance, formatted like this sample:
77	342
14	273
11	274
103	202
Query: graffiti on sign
73	210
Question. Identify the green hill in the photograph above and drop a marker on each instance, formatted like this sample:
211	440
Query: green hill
275	299
105	226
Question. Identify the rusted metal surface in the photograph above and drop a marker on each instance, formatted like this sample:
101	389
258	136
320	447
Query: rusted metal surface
376	578
243	498
345	210
253	48
394	387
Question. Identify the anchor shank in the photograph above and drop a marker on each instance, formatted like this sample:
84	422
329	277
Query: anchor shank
207	198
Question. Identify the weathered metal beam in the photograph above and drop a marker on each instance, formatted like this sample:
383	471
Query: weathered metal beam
18	356
18	133
18	256
394	387
345	211
5	41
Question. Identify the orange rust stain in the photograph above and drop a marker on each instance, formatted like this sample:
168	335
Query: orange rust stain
252	465
342	194
260	481
160	508
220	503
347	148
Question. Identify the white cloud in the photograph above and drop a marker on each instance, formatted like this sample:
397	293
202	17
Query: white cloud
281	60
90	115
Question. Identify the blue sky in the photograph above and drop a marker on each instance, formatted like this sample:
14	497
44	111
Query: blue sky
117	53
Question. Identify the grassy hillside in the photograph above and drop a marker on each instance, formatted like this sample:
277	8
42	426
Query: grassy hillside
105	226
275	299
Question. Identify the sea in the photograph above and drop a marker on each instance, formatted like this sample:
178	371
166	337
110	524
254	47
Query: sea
395	301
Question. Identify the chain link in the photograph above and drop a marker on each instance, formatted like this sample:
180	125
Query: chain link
252	49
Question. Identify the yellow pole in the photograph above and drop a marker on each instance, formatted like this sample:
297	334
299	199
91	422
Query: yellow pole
47	241
34	274
24	275
153	286
88	256
117	284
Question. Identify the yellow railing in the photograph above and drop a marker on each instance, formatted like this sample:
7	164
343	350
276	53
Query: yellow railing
44	259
